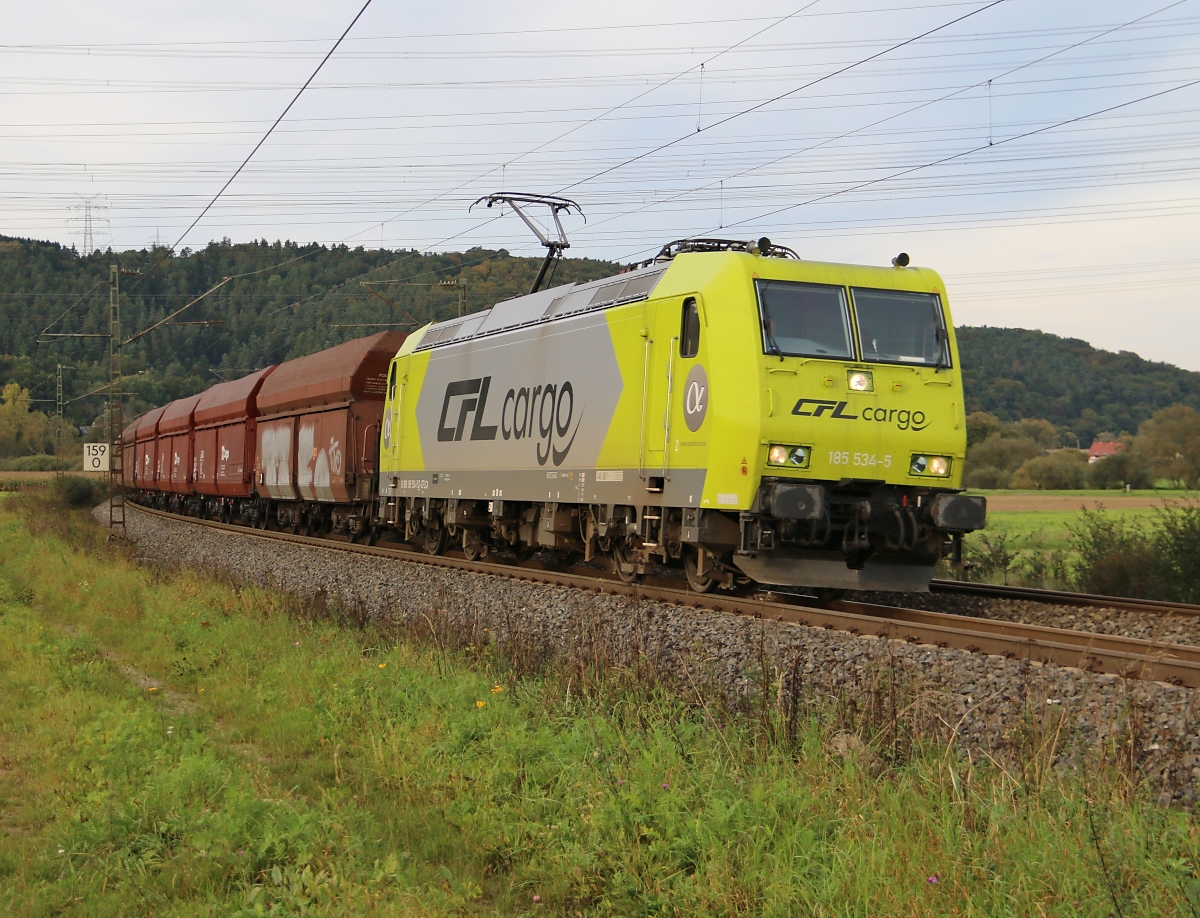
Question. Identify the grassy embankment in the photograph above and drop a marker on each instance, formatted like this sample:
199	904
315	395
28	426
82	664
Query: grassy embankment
172	745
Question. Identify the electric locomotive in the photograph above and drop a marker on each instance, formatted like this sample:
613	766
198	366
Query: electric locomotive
725	405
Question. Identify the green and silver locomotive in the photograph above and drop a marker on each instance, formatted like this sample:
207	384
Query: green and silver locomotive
725	406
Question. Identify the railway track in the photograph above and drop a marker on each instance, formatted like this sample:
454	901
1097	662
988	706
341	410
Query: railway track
1060	597
1133	658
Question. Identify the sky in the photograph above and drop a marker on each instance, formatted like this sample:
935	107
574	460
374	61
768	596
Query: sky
1044	158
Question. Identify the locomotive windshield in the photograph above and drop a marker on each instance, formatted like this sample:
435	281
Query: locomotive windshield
896	326
804	320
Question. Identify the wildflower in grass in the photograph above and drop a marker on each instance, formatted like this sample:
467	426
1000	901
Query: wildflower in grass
201	691
666	786
153	688
497	689
383	666
480	704
932	879
296	644
537	899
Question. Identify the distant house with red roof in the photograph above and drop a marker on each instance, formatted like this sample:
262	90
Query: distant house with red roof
1102	449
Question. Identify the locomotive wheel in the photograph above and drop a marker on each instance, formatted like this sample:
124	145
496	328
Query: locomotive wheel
621	561
473	546
435	540
691	567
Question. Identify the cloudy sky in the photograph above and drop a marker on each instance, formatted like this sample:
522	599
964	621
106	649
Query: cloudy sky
1043	157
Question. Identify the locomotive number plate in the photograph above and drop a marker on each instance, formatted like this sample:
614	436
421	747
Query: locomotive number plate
868	460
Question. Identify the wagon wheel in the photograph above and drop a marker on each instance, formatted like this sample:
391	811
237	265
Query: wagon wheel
691	567
623	566
473	546
435	540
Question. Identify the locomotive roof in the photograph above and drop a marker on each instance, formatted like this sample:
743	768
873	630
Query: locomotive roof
354	371
547	305
231	401
177	416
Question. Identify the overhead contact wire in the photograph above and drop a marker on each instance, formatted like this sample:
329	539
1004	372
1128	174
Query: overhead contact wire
781	96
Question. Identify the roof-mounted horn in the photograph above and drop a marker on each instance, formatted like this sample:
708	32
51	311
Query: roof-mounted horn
763	246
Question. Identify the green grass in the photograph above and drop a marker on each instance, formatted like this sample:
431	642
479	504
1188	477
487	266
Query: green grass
172	745
1049	529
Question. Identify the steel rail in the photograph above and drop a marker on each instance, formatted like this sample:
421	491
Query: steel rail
1131	658
1061	597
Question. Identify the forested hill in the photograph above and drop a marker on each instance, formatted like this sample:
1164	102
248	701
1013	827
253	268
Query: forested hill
286	300
1016	373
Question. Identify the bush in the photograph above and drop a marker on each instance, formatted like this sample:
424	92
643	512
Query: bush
79	493
1063	470
34	464
1177	546
1118	557
1119	470
1006	453
987	477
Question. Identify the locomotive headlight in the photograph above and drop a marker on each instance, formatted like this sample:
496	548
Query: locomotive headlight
795	457
860	381
938	466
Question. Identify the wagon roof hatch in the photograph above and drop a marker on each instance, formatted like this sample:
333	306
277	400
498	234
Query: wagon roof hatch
148	426
354	371
231	401
177	416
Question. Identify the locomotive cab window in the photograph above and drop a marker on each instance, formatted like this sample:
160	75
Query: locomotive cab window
804	320
689	329
392	384
896	326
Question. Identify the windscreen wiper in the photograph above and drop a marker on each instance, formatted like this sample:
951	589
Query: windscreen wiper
772	346
943	346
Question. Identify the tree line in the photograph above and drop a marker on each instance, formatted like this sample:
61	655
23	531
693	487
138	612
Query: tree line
286	299
1034	453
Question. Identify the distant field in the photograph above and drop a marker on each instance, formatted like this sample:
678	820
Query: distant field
1043	518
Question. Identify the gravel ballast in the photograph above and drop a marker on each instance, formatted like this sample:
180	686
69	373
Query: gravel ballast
988	706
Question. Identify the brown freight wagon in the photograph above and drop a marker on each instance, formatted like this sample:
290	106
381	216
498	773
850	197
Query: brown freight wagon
146	450
226	422
318	434
176	438
129	455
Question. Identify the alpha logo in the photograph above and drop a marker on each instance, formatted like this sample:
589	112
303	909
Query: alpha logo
819	407
544	412
695	398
